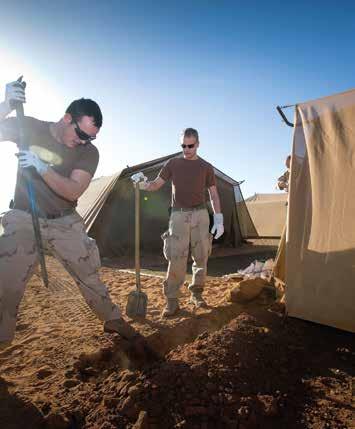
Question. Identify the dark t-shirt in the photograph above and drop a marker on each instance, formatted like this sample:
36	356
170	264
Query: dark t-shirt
190	180
62	159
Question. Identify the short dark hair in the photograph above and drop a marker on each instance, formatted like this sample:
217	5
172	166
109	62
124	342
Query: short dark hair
85	107
190	132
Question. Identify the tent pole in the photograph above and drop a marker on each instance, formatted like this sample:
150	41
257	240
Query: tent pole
279	109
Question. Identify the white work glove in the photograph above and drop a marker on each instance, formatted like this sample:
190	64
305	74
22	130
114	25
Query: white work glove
26	158
141	179
14	92
218	227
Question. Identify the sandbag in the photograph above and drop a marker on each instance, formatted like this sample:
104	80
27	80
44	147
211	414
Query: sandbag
247	290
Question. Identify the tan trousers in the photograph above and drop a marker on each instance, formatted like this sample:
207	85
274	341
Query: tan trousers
187	229
66	239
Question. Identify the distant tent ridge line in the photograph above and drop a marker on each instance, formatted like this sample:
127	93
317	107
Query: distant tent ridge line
263	197
268	214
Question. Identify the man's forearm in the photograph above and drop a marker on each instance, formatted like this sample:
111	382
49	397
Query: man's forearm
214	197
154	185
63	186
4	110
216	204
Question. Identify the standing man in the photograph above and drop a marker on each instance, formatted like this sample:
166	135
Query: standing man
64	160
282	181
191	177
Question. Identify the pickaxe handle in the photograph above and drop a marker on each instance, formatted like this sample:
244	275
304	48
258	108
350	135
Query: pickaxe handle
30	189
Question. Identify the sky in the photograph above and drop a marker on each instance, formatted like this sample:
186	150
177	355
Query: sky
156	67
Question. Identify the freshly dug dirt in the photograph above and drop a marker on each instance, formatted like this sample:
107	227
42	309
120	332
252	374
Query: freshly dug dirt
227	366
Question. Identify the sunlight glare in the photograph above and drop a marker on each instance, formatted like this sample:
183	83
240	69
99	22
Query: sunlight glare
42	102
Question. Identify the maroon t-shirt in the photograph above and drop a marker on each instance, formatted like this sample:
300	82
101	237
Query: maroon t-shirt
61	158
190	180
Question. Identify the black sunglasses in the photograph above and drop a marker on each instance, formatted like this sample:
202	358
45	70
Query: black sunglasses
190	146
82	134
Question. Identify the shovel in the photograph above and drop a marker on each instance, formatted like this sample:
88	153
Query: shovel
137	300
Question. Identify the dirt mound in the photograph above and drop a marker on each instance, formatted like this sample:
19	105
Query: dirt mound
256	372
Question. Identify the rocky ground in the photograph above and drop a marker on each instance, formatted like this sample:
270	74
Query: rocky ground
228	366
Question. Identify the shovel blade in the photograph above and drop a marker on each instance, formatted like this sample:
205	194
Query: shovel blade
136	304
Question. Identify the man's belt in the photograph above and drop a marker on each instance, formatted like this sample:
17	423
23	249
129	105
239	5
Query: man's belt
189	209
60	213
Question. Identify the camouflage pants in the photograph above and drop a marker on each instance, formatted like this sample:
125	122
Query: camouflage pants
187	229
66	239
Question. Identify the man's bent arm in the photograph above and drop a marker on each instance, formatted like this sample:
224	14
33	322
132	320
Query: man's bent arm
70	188
4	110
214	197
282	181
154	185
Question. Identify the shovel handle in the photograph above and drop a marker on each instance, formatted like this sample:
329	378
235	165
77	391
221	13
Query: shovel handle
137	236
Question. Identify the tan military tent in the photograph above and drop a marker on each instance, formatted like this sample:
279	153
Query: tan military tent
108	211
320	241
268	214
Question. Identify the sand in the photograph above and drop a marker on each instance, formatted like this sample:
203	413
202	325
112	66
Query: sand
63	372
